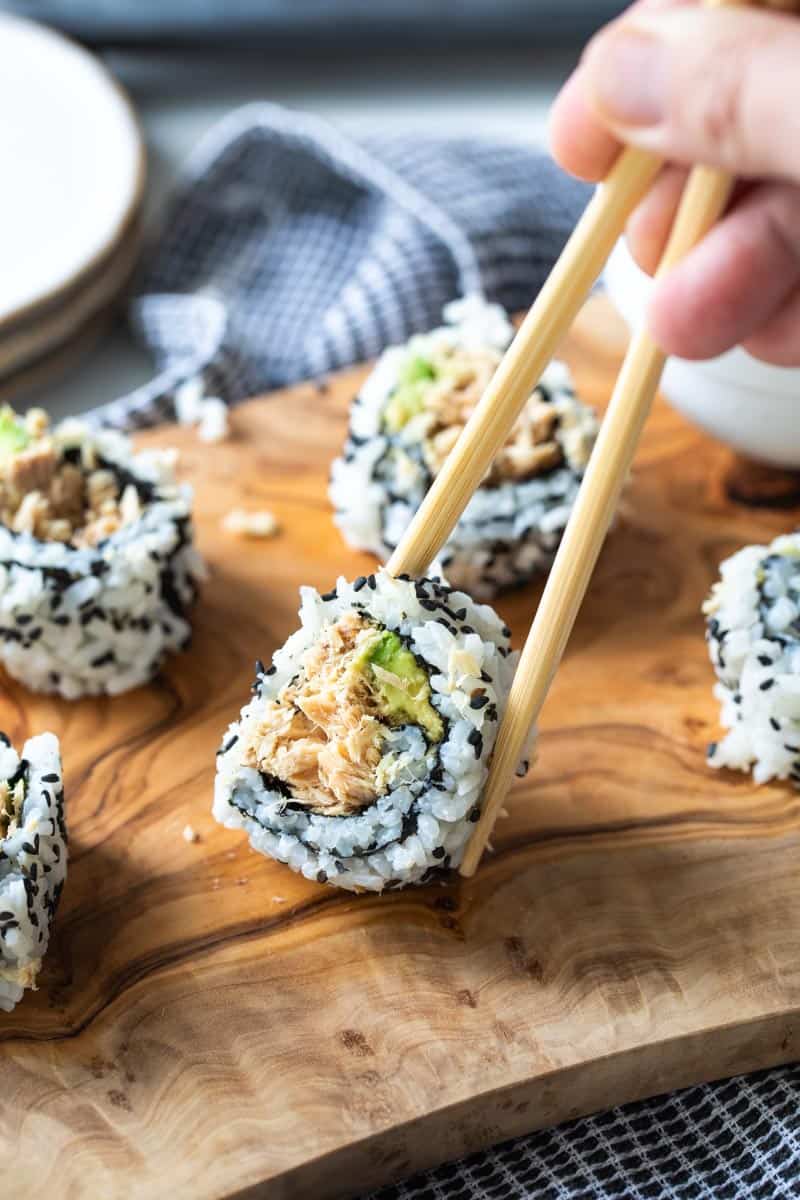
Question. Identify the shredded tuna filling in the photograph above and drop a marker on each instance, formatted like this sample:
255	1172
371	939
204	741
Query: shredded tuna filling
460	377
54	500
323	735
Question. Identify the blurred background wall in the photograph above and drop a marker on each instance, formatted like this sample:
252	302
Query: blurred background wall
329	22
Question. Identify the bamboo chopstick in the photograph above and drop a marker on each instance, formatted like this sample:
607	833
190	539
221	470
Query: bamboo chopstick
704	199
552	313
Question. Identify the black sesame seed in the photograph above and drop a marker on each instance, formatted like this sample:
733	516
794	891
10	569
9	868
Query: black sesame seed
474	815
712	749
478	701
51	778
260	670
437	852
792	749
765	660
322	877
371	583
775	724
476	741
766	685
359	583
103	660
329	595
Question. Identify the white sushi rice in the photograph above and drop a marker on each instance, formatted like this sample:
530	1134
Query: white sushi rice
80	622
33	863
423	821
508	532
753	619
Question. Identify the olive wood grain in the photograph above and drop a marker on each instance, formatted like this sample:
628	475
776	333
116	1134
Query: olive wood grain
210	1025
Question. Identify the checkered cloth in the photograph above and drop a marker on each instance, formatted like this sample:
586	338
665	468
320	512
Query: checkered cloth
738	1140
290	251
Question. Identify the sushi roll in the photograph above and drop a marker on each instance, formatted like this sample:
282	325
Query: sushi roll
33	859
97	567
407	418
361	759
753	633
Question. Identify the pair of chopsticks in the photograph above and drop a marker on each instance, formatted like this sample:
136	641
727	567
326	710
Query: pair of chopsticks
704	199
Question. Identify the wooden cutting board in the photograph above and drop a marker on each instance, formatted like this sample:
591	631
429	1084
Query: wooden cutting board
210	1025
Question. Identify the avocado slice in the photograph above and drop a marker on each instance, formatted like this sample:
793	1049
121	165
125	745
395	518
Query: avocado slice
409	704
408	398
13	435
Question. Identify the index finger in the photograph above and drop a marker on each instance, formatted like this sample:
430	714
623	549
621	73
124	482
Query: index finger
579	142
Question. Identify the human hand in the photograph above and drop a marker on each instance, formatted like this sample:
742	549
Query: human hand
715	86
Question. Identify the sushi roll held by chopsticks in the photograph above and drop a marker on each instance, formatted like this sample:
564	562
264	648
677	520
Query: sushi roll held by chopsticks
361	759
97	567
33	859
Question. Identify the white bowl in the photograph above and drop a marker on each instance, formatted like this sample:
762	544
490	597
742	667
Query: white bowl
750	405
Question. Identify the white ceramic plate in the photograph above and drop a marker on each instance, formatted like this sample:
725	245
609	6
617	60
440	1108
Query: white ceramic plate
27	341
73	166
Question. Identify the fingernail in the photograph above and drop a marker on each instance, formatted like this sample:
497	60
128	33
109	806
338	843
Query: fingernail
627	77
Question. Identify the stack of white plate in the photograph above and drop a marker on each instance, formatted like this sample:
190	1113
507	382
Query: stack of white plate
70	202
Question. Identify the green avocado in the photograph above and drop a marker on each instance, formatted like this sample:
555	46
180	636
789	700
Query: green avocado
408	398
402	706
13	435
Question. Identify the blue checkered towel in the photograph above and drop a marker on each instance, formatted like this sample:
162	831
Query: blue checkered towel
289	251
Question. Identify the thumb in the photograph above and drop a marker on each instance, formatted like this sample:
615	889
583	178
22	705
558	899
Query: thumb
720	87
